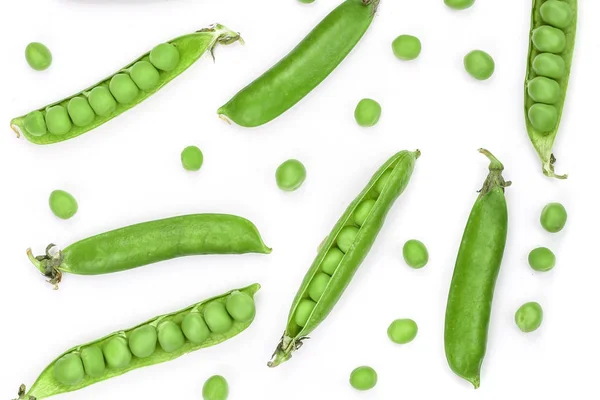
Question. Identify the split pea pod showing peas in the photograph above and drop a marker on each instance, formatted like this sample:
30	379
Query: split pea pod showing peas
475	273
150	242
551	47
116	94
343	251
304	68
158	340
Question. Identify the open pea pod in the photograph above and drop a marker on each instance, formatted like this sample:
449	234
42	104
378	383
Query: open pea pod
158	340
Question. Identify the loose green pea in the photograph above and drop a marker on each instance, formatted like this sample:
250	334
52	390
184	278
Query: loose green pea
35	124
142	341
192	158
543	90
406	47
332	260
543	117
165	57
194	328
57	120
102	101
303	311
415	254
116	353
557	13
362	211
318	285
549	39
542	259
123	88
367	112
93	361
170	336
217	318
145	76
529	317
382	181
241	307
479	64
554	217
346	238
68	370
38	56
290	175
402	331
459	4
550	65
80	111
363	378
306	1
63	204
215	388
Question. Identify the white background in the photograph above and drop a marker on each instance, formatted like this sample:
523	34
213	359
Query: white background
128	171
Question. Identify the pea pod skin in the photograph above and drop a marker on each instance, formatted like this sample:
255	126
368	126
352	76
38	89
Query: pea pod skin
543	142
304	68
47	385
150	242
475	273
399	168
191	47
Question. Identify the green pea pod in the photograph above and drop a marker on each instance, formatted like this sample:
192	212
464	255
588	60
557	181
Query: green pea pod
304	68
325	281
475	273
551	47
94	362
84	111
150	242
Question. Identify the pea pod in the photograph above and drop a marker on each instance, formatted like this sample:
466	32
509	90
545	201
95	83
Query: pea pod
304	68
475	273
551	47
150	242
342	253
84	111
165	337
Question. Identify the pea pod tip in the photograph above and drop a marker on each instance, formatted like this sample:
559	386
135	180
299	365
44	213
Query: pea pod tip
15	129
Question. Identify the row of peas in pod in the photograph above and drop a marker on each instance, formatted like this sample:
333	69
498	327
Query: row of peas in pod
106	98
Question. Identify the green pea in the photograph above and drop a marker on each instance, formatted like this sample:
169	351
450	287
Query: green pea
318	285
38	56
35	124
93	361
306	1
406	47
142	341
529	317
543	117
63	204
165	57
145	76
102	101
362	211
415	254
459	4
80	111
554	217
68	370
123	88
57	120
363	378
549	39
241	307
194	328
479	64
542	259
116	353
382	181
367	112
170	336
346	238
332	260
557	13
217	318
303	311
543	90
215	388
402	331
290	175
550	65
192	158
